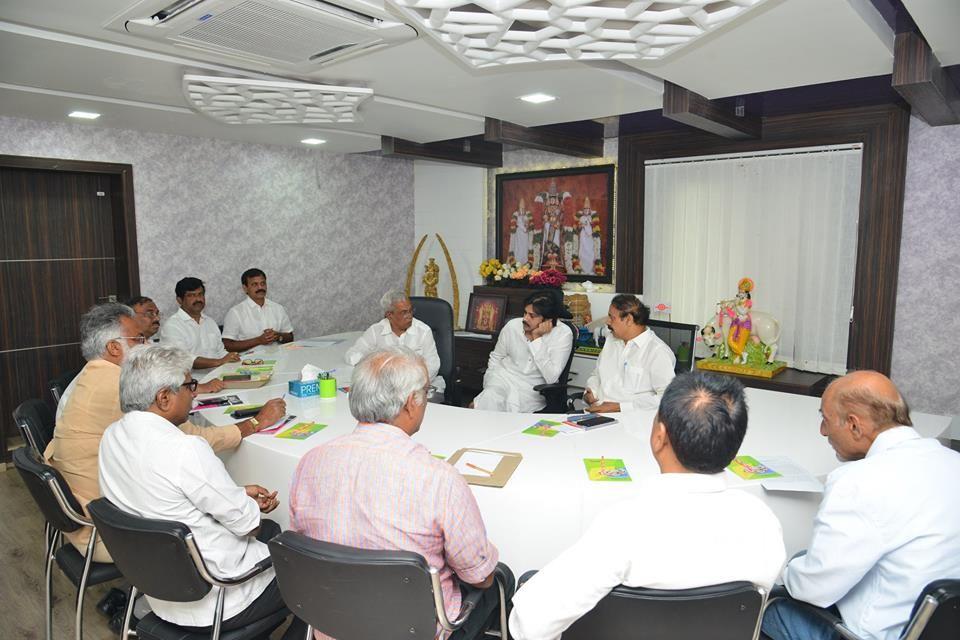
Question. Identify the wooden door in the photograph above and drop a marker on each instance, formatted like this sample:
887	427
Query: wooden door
59	239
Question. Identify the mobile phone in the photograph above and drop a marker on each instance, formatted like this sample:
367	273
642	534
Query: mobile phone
243	414
597	421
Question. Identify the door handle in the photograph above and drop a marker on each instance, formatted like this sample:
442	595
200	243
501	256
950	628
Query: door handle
110	298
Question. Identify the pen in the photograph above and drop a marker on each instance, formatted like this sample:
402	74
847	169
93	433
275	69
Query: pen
473	466
285	422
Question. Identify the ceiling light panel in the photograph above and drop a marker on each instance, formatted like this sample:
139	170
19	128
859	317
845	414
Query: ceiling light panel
247	101
487	33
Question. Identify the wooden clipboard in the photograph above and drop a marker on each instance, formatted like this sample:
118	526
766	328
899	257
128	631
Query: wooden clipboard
508	464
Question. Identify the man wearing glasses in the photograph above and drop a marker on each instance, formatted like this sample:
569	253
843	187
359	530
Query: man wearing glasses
400	329
107	333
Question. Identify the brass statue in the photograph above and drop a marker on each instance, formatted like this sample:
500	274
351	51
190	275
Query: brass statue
431	276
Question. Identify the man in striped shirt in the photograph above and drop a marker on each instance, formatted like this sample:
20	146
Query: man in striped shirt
377	488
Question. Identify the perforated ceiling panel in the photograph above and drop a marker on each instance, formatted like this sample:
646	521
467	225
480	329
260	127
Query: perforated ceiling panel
246	101
495	32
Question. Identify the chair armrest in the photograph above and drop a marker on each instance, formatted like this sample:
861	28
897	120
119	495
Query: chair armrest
831	619
251	573
549	387
469	602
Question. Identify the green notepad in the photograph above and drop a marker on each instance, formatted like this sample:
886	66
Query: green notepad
301	430
242	407
749	468
542	428
606	470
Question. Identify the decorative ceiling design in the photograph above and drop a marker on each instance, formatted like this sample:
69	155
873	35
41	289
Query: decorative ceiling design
488	33
248	101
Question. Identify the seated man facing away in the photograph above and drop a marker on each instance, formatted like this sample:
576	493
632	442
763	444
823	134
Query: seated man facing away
681	530
107	333
399	327
152	469
377	488
255	321
194	331
888	524
635	365
530	350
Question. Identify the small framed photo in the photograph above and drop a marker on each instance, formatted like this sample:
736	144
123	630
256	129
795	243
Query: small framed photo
486	313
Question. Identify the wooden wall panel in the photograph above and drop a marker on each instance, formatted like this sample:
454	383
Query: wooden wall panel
882	129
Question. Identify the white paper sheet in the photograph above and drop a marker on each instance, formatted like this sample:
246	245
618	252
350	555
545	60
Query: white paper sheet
793	477
487	462
319	344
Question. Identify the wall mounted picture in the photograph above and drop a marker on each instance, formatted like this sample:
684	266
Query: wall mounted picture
558	219
486	313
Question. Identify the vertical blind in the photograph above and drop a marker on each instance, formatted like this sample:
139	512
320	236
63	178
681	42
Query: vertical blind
786	219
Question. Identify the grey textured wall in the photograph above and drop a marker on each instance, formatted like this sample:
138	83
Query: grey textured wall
332	232
925	365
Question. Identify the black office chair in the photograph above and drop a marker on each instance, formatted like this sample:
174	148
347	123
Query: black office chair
59	384
681	338
935	615
556	393
729	611
437	314
330	587
161	559
36	422
63	515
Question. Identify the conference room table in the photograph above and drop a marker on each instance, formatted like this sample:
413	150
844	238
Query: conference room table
549	501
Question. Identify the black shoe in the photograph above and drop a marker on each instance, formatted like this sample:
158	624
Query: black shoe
116	622
115	600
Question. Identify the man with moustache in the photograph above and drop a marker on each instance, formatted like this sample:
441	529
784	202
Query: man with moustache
255	321
194	331
530	351
635	366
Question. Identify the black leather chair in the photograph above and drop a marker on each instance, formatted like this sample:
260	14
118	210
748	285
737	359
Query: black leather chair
935	615
59	384
160	558
63	515
681	338
729	611
556	393
330	587
437	314
36	422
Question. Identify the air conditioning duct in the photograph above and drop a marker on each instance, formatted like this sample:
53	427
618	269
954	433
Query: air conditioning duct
293	35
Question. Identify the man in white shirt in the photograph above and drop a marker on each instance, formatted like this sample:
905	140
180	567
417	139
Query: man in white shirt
255	321
682	530
400	328
635	365
888	524
194	331
150	468
531	350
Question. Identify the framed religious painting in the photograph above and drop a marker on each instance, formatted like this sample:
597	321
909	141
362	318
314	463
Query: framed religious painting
560	219
486	313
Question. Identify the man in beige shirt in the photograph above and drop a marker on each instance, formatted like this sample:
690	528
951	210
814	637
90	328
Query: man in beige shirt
107	332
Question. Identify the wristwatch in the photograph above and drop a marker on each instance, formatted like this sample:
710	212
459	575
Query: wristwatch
255	423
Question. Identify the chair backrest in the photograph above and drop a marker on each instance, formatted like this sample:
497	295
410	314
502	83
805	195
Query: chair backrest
152	554
44	482
352	593
36	422
729	611
565	374
936	614
59	384
437	314
681	338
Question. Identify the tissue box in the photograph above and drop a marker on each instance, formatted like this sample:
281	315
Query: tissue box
302	389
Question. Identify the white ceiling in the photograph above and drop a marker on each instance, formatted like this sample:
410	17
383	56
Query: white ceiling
56	56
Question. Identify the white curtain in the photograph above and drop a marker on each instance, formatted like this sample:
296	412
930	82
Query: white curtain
786	219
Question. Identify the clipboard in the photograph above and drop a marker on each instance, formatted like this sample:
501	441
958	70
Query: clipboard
499	476
244	381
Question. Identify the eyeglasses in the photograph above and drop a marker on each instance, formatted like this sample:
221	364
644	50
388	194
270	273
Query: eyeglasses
192	385
251	363
149	314
403	313
137	339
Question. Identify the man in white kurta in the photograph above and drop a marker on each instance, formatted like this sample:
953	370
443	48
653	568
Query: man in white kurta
888	524
400	328
531	350
683	529
255	321
635	366
194	331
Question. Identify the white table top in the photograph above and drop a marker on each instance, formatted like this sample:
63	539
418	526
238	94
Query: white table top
548	501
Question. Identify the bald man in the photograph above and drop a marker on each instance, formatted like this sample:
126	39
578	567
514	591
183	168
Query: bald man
888	525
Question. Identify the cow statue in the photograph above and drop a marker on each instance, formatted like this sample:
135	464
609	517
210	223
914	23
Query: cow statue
734	329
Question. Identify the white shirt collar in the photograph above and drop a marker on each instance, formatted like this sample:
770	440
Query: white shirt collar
250	302
891	438
385	328
183	315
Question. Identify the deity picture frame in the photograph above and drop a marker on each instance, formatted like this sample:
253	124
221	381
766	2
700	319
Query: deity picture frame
569	219
486	313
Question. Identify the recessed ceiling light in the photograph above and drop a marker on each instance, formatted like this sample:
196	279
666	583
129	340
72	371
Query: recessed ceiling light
538	98
312	141
84	115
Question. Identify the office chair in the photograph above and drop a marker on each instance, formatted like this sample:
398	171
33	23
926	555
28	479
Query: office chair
36	423
681	338
556	393
437	314
59	384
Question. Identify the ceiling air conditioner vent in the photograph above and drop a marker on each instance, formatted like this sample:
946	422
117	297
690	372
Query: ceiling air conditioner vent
297	35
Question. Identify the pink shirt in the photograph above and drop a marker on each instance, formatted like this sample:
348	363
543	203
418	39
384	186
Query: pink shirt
378	489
